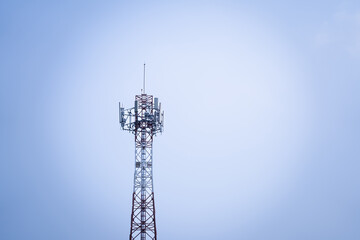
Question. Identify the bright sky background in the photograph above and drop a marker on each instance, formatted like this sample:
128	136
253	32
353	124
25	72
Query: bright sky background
261	100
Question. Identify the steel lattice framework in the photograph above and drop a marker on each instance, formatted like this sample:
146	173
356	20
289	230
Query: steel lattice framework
144	120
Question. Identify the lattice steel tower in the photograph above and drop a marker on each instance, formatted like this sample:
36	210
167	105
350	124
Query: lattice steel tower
144	120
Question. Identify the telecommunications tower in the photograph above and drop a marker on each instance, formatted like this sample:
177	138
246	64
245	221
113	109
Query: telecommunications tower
144	120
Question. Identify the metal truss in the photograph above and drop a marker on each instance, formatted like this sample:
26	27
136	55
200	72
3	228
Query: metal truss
144	120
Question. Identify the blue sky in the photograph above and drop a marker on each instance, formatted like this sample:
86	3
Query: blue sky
261	105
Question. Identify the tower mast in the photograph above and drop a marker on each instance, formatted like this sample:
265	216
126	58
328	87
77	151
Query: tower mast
144	120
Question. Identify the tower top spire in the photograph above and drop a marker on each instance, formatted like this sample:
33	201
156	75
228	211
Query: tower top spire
144	80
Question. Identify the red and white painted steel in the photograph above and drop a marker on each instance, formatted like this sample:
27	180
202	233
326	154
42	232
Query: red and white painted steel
144	120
